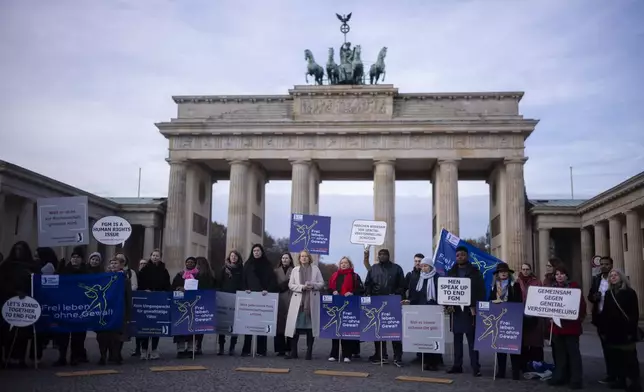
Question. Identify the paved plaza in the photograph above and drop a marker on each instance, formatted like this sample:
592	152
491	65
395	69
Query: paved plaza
220	375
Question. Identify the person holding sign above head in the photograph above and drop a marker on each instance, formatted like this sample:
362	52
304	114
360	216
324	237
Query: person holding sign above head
506	289
154	276
230	281
565	339
304	309
596	296
463	320
385	278
281	343
423	290
259	277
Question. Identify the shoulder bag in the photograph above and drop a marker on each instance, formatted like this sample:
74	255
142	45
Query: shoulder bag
640	334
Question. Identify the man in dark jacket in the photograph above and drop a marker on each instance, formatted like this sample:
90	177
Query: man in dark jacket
464	321
385	278
413	276
598	288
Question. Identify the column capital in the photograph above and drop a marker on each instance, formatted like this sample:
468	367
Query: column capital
244	162
176	161
632	212
384	161
515	160
616	217
448	161
300	162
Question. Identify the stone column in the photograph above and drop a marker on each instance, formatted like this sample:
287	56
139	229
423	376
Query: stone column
300	186
238	208
110	251
93	244
616	242
586	257
634	258
384	203
447	202
148	241
515	212
601	239
544	250
314	197
174	243
26	222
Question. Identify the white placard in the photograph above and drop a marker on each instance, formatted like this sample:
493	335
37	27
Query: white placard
21	312
225	303
191	284
255	314
364	232
557	303
112	230
425	329
454	292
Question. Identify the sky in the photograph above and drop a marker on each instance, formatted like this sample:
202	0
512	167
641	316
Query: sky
84	82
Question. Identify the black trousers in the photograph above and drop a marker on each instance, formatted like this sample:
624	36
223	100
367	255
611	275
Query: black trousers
349	348
611	370
458	350
199	341
567	359
530	354
222	341
144	344
432	360
109	345
262	345
396	345
75	341
625	363
281	343
15	342
502	364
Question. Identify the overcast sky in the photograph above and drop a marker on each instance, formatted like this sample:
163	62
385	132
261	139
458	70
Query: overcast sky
84	81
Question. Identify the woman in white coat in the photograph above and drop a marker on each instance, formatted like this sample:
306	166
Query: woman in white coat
304	309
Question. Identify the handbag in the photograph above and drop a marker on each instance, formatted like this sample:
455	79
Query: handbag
639	334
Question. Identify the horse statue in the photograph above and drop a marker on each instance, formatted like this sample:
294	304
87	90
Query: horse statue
378	68
332	71
313	68
356	65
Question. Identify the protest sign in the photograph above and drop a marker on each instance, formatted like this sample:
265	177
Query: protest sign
255	314
340	317
112	230
380	318
311	233
225	312
454	291
425	329
193	312
556	303
62	221
19	312
79	303
499	327
151	314
367	233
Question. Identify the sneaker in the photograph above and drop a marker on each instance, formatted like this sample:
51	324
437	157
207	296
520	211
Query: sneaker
154	355
347	360
398	363
332	359
144	356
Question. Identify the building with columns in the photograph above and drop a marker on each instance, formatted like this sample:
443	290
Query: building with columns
20	188
609	224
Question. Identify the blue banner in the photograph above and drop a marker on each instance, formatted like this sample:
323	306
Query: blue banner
445	257
151	314
380	318
193	312
340	317
310	232
499	327
78	303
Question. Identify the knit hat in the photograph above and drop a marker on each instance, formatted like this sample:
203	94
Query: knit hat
427	261
78	251
100	258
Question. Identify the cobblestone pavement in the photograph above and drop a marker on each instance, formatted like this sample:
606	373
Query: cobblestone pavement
220	375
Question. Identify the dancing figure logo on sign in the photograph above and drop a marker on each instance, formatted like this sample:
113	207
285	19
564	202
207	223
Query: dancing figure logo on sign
305	233
336	316
492	324
373	314
97	294
187	310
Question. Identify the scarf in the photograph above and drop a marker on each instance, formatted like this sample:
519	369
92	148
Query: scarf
347	283
306	274
502	289
228	267
190	274
431	290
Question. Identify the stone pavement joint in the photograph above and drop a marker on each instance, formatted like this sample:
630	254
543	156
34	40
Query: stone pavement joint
263	370
87	373
176	368
341	374
432	380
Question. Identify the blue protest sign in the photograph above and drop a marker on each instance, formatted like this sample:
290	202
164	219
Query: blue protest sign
310	232
79	303
150	314
380	318
499	327
193	312
340	317
445	257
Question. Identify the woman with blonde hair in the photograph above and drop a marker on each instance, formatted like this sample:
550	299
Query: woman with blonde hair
345	282
304	309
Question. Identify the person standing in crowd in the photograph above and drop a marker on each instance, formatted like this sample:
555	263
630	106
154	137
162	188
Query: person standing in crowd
408	278
153	277
463	320
113	340
619	331
344	282
423	290
506	289
206	282
47	259
75	341
385	278
283	275
96	264
568	368
184	342
137	341
128	271
304	309
532	336
549	277
258	277
230	281
15	280
596	296
103	338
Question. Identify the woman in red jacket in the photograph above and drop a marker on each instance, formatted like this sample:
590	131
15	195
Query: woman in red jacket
566	339
345	282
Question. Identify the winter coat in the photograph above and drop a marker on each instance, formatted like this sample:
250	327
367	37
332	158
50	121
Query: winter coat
619	326
463	320
154	277
385	279
258	276
572	327
420	297
296	288
233	283
533	327
284	296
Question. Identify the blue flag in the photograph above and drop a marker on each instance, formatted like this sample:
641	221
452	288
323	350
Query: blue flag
79	303
445	257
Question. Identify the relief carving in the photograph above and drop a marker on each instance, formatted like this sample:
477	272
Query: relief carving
331	142
186	142
353	142
317	106
460	141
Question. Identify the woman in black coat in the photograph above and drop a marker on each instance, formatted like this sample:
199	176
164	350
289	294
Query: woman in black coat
230	281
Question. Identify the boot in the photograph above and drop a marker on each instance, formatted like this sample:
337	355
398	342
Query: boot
221	349
103	350
309	345
231	349
293	353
